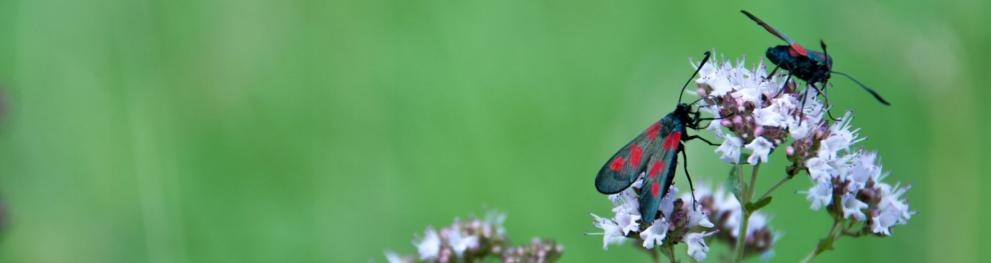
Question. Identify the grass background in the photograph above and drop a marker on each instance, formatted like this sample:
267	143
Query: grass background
316	131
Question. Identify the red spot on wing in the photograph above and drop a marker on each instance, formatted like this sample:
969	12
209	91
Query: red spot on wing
617	163
635	153
798	49
656	169
655	189
653	130
671	142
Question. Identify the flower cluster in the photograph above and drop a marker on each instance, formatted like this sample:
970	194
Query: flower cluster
848	182
679	222
725	211
762	112
474	240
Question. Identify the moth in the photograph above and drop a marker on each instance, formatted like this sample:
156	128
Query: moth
653	153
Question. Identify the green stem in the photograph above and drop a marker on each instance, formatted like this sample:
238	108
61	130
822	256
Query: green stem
654	256
741	241
742	183
826	243
775	187
753	180
669	251
745	196
808	258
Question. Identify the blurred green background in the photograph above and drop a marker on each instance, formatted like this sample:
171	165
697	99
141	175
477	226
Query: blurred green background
316	131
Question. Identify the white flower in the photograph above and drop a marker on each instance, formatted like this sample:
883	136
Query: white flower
392	257
725	78
853	207
611	232
696	245
625	202
863	168
759	148
854	172
840	138
638	184
494	224
729	151
727	209
697	216
820	195
811	116
717	78
628	222
667	202
723	201
891	210
819	169
748	95
429	246
777	114
714	126
655	234
757	221
799	131
461	243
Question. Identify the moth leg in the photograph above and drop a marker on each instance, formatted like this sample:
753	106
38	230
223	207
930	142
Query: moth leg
826	98
691	185
693	137
772	73
785	86
801	107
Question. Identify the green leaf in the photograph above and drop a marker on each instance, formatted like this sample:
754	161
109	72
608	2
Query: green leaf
824	245
759	204
733	182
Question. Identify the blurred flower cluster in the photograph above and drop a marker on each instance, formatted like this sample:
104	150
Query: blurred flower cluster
475	240
725	211
680	223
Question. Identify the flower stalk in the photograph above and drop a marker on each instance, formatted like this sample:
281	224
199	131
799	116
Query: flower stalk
669	252
744	199
748	208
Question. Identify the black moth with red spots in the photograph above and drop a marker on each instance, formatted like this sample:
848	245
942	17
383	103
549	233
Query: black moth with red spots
653	153
813	67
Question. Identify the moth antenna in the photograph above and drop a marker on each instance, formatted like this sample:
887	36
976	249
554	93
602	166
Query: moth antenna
865	87
693	103
704	60
825	53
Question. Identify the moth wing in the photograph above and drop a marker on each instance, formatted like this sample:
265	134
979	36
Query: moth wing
623	167
769	28
660	175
